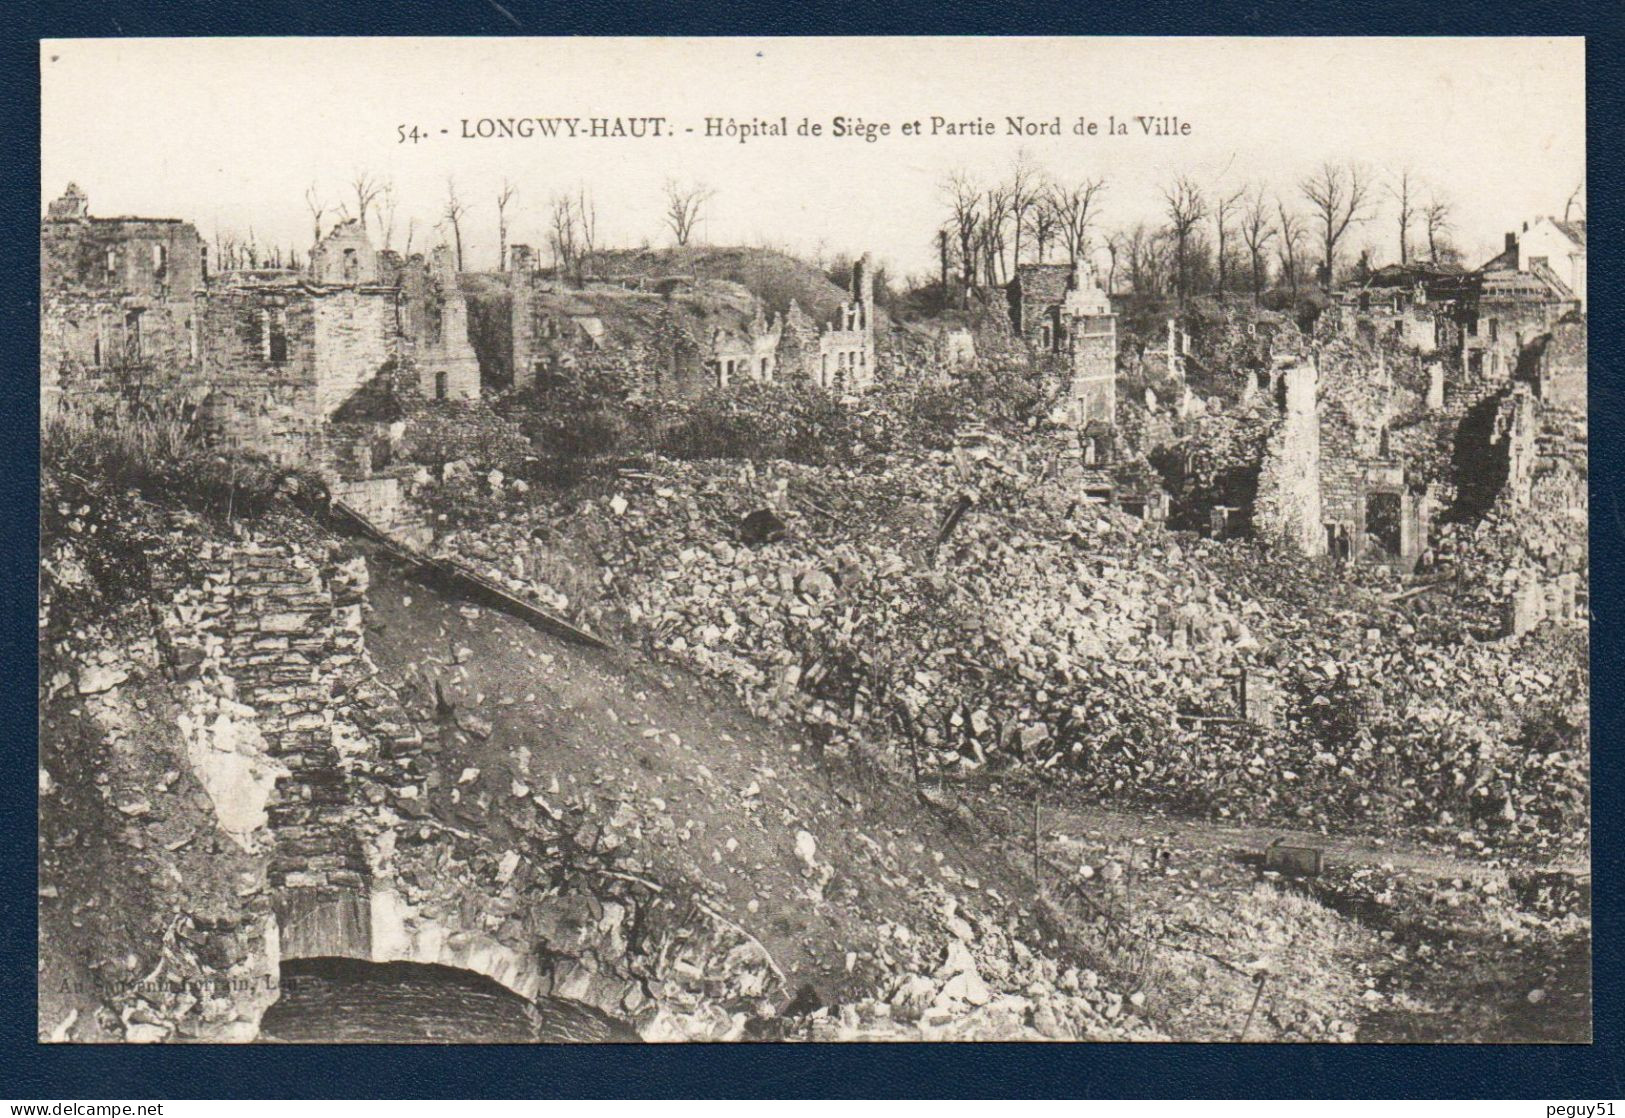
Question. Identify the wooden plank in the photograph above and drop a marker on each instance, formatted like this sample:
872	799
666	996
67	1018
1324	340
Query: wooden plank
471	583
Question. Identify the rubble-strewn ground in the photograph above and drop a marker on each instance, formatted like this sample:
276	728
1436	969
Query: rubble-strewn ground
840	692
1064	636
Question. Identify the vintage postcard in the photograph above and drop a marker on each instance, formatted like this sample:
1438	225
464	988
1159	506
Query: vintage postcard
635	540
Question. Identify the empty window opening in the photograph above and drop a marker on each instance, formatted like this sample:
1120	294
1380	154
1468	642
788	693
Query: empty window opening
133	344
1339	542
432	328
276	335
1382	522
352	264
440	385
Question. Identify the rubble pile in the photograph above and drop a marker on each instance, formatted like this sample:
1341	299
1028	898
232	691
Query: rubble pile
977	980
1060	635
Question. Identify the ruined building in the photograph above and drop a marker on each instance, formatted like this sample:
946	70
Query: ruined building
286	349
1477	325
684	336
280	362
118	306
1060	309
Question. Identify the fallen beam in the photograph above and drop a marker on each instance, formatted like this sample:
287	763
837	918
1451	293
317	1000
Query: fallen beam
470	584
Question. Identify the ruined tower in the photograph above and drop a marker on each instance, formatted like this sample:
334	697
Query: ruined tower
863	294
1091	333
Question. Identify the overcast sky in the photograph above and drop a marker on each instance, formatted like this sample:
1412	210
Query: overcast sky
230	133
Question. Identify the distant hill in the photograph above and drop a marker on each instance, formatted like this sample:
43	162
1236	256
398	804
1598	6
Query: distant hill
772	276
627	292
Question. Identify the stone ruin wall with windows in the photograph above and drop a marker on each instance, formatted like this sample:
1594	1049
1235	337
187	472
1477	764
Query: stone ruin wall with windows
118	307
686	344
131	318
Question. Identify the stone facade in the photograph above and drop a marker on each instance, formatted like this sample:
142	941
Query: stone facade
118	306
691	347
1058	309
265	357
284	354
434	320
1289	488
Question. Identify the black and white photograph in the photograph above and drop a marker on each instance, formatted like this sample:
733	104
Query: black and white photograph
805	540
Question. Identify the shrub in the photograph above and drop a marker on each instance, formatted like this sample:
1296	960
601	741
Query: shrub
163	456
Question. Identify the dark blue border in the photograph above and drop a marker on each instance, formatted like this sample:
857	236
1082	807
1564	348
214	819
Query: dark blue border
39	1073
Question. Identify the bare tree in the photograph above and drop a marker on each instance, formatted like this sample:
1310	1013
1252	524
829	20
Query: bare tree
387	204
1290	229
563	237
1576	201
1338	197
685	205
1114	246
1403	191
225	250
411	230
1436	215
1046	227
367	188
1257	232
1024	192
317	208
964	222
1225	207
995	214
1186	207
453	216
1075	208
1143	250
587	224
504	196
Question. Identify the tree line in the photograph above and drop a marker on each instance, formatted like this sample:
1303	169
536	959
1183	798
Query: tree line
1211	236
570	223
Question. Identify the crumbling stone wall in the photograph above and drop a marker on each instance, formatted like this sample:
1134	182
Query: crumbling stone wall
277	628
469	432
433	317
1289	506
283	357
118	312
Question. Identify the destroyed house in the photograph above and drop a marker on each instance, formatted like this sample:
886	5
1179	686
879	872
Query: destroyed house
118	305
686	338
1510	308
1061	310
286	349
1410	303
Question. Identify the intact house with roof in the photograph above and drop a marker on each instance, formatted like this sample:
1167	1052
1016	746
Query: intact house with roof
1559	246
